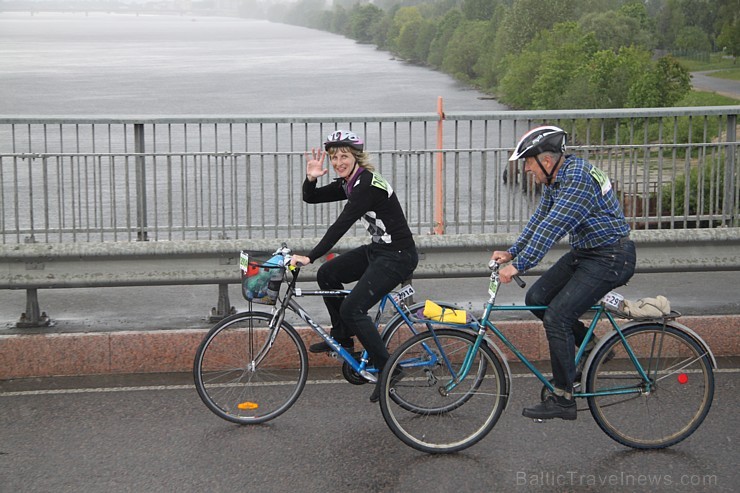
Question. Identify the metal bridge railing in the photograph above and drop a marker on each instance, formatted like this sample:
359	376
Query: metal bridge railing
205	178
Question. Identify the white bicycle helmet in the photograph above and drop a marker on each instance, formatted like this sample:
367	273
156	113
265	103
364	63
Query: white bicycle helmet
344	138
538	140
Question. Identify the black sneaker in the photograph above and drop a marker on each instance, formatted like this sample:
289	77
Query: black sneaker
397	376
324	347
552	407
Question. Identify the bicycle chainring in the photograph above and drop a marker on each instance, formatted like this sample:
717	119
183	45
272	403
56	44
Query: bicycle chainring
351	375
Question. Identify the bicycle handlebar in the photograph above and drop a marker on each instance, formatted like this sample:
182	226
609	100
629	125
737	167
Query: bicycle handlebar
494	266
286	252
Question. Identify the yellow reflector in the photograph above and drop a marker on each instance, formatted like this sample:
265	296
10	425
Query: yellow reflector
245	406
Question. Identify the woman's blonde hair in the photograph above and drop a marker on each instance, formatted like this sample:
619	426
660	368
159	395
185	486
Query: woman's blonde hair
362	158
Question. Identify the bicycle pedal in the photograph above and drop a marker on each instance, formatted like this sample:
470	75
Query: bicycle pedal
537	420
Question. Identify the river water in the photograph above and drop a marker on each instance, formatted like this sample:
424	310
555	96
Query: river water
115	64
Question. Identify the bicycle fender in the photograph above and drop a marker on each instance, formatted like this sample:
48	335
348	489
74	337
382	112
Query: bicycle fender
636	323
502	357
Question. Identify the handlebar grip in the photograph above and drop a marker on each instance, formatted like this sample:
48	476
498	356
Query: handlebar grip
520	282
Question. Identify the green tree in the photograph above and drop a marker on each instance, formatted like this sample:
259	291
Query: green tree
662	85
364	19
609	76
408	38
567	49
445	29
693	39
526	18
403	17
669	22
478	10
515	88
464	50
614	29
729	38
380	32
424	41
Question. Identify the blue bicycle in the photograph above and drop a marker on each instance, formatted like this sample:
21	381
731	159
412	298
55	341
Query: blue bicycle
251	367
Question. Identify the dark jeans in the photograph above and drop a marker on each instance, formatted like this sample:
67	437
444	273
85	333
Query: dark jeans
377	271
578	280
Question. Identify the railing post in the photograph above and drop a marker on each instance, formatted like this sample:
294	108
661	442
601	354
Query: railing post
730	207
223	308
33	317
141	212
439	210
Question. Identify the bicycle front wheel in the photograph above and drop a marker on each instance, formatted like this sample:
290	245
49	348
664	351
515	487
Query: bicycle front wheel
422	407
662	410
248	372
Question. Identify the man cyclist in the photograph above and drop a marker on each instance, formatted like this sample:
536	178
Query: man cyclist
577	200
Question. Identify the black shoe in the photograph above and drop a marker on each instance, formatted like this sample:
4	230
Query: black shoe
397	376
323	347
552	407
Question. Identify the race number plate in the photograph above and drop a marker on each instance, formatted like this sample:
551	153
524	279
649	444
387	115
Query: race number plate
406	292
612	300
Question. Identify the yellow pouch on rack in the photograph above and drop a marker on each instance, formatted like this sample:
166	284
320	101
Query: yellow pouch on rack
433	311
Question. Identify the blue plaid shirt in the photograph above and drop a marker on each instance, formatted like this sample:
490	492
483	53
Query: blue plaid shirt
581	203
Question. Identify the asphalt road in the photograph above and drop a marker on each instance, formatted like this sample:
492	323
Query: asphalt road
152	433
703	81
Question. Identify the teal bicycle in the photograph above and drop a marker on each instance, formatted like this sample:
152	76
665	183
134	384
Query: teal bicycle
649	384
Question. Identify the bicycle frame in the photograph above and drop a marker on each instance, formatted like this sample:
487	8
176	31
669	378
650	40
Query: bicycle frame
362	367
480	327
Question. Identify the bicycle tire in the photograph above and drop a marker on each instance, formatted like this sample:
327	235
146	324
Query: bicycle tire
242	378
423	384
667	410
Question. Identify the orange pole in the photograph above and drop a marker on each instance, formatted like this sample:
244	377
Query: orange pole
439	212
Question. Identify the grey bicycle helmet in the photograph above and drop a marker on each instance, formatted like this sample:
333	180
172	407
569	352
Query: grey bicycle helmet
344	138
538	140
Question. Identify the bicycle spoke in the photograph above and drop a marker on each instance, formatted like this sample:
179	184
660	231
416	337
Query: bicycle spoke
670	406
420	411
247	372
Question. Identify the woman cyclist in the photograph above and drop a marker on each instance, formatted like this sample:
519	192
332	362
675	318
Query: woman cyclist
377	267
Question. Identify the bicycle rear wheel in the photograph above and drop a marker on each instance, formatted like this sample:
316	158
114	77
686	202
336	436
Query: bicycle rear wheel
246	372
421	412
662	411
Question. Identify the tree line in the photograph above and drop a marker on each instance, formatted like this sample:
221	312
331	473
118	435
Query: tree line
533	54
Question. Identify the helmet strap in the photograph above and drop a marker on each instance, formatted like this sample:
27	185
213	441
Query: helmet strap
354	169
548	175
